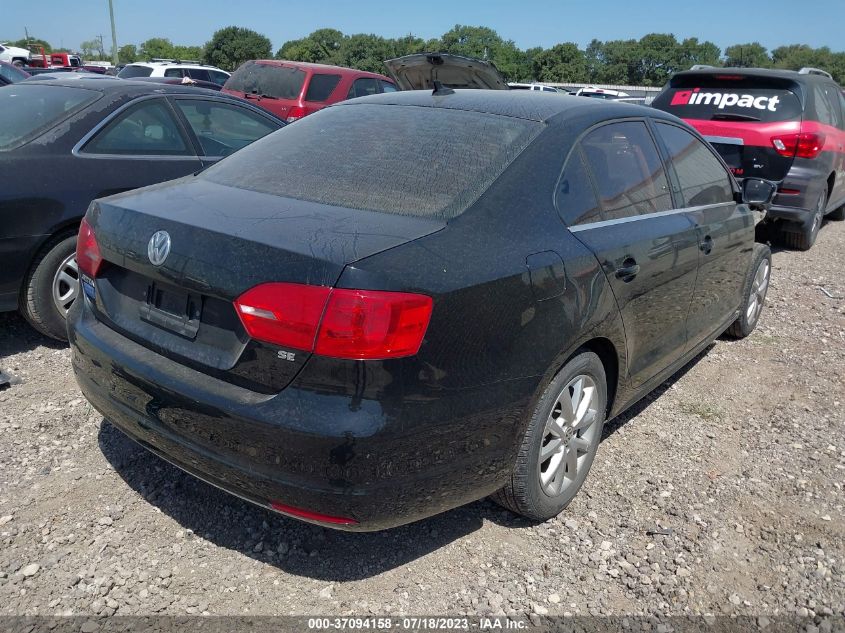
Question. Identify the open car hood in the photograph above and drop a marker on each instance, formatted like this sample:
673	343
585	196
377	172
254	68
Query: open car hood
420	70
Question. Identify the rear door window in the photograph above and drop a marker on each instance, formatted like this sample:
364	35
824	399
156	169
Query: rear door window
701	176
827	106
278	82
321	86
221	128
627	170
174	72
425	162
147	128
363	87
28	109
729	99
200	74
218	77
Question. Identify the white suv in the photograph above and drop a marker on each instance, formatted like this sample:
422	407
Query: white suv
14	55
600	93
174	68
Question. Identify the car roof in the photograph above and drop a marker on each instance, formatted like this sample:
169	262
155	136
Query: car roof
522	104
111	85
324	67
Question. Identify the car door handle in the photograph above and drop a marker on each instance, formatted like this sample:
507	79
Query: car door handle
629	269
706	245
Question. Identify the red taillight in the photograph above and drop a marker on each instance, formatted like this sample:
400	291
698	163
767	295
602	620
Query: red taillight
341	323
313	516
88	256
367	324
294	113
283	314
803	145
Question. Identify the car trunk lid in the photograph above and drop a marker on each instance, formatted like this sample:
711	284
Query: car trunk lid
419	72
224	241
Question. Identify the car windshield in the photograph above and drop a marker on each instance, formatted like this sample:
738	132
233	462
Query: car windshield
427	162
729	98
270	80
27	109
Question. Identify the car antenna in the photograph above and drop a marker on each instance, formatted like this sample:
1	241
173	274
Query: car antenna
440	89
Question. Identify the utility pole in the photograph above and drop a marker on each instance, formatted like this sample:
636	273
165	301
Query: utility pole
114	57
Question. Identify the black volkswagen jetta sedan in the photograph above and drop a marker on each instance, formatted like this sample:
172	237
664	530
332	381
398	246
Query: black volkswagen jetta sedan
407	302
66	140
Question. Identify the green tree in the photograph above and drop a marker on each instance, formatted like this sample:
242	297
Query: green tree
192	53
321	47
561	63
694	52
127	54
751	55
232	46
156	47
34	44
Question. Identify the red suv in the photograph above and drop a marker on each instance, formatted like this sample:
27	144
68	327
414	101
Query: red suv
291	90
781	125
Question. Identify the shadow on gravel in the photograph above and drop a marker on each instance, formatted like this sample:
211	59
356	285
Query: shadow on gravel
300	548
17	336
620	420
307	550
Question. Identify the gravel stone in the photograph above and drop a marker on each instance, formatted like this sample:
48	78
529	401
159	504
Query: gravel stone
746	440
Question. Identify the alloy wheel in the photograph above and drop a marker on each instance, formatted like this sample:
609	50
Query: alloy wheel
759	287
569	435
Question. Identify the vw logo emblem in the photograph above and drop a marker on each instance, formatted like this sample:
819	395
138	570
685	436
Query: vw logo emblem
159	247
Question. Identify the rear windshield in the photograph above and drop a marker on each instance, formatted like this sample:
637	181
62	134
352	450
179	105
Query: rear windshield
426	162
27	109
730	100
129	72
279	82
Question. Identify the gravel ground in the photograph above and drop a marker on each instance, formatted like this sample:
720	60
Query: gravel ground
722	493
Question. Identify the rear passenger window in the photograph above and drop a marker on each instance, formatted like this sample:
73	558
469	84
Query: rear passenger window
363	87
576	199
827	105
321	86
146	129
174	72
702	177
200	74
824	106
627	170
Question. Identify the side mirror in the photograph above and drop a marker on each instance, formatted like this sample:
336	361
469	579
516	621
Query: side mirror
757	192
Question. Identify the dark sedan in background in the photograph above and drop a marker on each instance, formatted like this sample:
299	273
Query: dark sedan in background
66	140
406	302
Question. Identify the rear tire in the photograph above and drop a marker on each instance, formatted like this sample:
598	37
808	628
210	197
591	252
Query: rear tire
804	240
755	288
566	427
49	285
837	214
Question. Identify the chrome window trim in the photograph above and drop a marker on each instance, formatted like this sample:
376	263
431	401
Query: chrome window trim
79	153
646	216
724	140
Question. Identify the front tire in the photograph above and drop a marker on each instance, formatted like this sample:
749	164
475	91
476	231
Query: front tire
756	286
561	441
51	287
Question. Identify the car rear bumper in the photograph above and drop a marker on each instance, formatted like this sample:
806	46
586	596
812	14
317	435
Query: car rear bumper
798	195
319	452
